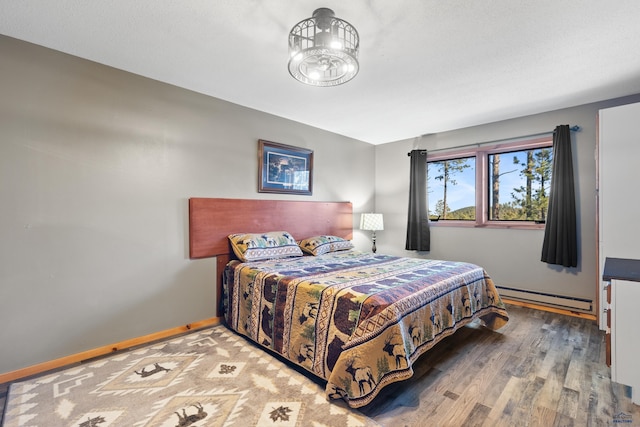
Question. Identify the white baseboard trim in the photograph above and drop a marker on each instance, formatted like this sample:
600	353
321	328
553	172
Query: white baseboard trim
569	303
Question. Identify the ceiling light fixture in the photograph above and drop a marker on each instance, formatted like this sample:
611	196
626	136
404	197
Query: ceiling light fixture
323	50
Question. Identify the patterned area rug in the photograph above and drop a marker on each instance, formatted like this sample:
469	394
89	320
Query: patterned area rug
210	377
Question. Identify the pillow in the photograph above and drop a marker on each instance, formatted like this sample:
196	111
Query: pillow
319	245
261	246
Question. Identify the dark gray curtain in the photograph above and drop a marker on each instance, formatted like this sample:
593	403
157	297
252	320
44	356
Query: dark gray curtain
418	235
560	244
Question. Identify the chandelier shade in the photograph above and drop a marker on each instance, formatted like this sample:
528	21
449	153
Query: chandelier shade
323	50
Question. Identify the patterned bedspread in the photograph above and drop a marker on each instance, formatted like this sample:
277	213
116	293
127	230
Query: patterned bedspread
357	320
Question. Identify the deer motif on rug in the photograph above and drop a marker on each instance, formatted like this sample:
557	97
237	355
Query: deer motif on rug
157	368
185	420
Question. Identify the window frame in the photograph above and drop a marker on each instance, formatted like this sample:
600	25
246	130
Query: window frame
481	153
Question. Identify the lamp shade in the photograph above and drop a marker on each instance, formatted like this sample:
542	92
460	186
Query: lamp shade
371	221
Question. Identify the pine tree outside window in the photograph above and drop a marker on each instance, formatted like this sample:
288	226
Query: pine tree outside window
499	185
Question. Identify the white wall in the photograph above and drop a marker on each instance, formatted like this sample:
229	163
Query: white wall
96	167
618	154
512	257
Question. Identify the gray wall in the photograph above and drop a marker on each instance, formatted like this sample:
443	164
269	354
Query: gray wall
96	167
512	257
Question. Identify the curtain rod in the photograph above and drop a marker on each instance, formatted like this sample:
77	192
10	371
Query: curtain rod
572	129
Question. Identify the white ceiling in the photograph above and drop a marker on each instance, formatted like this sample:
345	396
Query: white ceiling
426	66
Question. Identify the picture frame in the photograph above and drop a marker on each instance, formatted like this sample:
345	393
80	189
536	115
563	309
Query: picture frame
284	169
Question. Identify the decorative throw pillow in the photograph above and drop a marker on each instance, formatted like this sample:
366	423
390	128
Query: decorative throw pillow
319	245
261	246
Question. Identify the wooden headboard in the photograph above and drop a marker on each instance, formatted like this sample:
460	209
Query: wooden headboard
212	220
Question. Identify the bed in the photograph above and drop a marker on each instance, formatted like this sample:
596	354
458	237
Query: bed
356	320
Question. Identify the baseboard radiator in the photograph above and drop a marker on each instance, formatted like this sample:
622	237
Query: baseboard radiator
569	303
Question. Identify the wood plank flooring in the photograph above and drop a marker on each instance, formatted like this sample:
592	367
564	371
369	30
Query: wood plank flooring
541	369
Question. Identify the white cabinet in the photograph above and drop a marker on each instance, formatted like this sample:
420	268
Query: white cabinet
625	345
624	320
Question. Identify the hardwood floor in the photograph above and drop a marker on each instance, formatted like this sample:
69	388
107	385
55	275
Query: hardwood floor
541	369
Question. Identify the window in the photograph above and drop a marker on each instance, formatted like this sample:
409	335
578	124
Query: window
451	186
505	185
519	185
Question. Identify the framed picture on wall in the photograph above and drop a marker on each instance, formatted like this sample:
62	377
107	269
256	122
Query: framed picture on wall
284	169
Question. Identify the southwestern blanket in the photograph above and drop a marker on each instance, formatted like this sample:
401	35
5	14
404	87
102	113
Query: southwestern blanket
357	320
